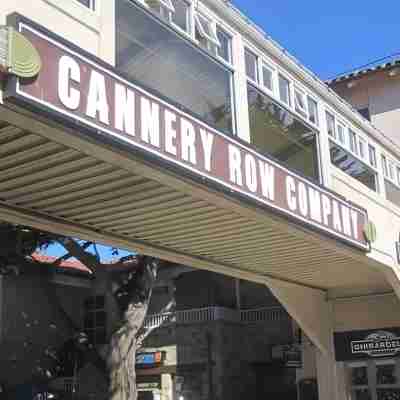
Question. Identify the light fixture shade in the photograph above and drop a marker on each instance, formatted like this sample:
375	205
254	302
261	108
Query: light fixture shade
17	54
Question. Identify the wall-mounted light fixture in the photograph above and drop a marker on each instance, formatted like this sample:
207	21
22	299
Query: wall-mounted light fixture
17	54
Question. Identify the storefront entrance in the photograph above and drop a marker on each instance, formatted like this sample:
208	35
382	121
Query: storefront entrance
374	379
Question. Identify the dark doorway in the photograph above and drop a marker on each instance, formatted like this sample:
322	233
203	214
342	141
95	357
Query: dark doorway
275	381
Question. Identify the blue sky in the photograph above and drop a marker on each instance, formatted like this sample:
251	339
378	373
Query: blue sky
329	37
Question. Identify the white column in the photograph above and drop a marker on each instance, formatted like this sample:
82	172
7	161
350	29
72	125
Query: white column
240	85
325	156
314	314
107	47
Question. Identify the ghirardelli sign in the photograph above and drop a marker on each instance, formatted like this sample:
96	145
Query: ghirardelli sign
364	344
377	344
81	90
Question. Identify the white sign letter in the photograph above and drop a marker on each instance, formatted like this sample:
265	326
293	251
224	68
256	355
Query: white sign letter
124	109
303	200
250	168
235	165
170	132
291	193
97	98
267	174
207	139
188	138
326	209
315	204
150	113
68	70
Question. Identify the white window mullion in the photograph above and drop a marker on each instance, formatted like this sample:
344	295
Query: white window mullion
325	154
240	84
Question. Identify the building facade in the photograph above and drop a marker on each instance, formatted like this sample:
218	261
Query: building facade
181	130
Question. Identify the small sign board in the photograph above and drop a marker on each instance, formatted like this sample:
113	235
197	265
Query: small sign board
289	354
152	359
356	345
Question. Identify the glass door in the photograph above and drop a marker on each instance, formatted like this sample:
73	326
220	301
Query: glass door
374	380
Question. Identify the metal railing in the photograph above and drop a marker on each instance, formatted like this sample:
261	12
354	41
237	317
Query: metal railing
207	314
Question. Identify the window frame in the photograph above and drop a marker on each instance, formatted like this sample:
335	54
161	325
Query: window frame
372	155
188	21
362	144
224	32
331	118
256	66
352	135
315	102
300	110
272	70
283	76
341	124
212	38
93	5
312	128
93	311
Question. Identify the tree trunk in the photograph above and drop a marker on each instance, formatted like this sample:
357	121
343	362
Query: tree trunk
123	345
121	360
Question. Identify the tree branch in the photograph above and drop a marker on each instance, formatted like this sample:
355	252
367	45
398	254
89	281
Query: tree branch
78	251
65	257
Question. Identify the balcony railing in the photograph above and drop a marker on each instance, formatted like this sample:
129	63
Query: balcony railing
208	314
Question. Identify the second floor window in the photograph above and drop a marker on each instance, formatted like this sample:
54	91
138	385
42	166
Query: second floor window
151	53
353	166
275	131
95	319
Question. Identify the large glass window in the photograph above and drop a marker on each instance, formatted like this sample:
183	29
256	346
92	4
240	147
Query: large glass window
159	58
275	131
352	166
374	379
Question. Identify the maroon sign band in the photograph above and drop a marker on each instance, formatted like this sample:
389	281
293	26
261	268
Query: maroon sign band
79	87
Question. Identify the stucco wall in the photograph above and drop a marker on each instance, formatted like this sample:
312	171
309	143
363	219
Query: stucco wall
367	313
92	31
384	214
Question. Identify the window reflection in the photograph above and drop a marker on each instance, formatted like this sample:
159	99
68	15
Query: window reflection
275	131
156	56
352	166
